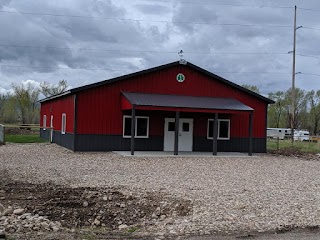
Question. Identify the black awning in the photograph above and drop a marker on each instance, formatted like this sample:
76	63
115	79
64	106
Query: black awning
180	101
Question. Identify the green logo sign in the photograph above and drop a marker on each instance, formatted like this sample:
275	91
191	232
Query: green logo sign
180	77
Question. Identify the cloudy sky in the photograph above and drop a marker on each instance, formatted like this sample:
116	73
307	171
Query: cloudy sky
86	41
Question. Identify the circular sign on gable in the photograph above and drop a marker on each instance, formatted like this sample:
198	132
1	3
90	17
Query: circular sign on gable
180	77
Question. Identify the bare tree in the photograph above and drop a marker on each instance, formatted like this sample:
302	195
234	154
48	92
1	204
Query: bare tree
48	89
251	88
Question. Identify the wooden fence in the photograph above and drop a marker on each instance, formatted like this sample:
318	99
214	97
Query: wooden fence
2	141
28	127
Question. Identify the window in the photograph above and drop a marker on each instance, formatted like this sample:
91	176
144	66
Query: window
63	123
51	122
223	129
185	127
171	126
141	128
44	122
127	126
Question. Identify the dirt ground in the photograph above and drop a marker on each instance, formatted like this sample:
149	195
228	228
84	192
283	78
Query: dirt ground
66	205
88	213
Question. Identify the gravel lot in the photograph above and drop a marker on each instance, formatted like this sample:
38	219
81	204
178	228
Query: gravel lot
229	194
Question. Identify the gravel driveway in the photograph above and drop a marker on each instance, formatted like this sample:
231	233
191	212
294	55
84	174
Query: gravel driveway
229	194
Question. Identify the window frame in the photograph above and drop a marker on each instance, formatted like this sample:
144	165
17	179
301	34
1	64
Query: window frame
44	122
63	126
136	123
219	120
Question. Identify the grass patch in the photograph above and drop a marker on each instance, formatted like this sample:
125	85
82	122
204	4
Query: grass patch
133	229
309	147
24	139
88	236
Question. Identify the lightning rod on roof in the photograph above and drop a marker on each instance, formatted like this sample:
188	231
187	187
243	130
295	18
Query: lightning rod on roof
180	54
181	60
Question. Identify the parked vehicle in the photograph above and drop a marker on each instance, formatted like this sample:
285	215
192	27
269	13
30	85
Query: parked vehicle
280	133
301	135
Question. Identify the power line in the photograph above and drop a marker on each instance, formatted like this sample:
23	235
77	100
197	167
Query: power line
142	20
253	73
108	69
88	49
310	56
311	28
124	70
63	68
223	4
312	74
308	9
141	51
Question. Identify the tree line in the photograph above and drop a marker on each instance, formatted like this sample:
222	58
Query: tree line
22	104
306	110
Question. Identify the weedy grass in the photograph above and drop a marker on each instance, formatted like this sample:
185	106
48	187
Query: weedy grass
133	229
303	146
24	139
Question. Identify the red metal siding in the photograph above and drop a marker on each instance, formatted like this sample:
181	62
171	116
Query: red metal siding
99	109
59	106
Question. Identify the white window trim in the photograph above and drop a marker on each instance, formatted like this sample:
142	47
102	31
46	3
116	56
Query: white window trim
51	122
44	122
219	120
63	128
136	122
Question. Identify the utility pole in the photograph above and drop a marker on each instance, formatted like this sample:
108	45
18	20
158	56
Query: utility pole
293	74
295	28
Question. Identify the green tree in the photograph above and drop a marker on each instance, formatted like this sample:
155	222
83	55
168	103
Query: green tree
300	108
26	102
276	111
9	113
313	98
2	104
48	89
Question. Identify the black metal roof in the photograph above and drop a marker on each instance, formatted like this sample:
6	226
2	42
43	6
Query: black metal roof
216	77
180	101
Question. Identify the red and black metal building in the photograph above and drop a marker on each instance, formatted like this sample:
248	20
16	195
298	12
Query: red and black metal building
173	107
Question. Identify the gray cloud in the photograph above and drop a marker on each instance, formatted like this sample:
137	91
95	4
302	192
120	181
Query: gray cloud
64	42
154	9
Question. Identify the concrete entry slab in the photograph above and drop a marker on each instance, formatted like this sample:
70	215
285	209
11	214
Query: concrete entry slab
181	154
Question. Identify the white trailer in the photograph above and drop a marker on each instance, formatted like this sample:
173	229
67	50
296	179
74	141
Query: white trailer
301	135
280	133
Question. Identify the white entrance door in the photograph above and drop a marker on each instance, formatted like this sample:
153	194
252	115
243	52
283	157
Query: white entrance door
51	128
185	134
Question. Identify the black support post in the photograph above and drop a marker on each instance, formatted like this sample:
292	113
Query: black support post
215	135
133	126
75	122
250	133
176	134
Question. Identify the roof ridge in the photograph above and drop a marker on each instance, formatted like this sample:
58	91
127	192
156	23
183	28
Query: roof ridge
145	71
